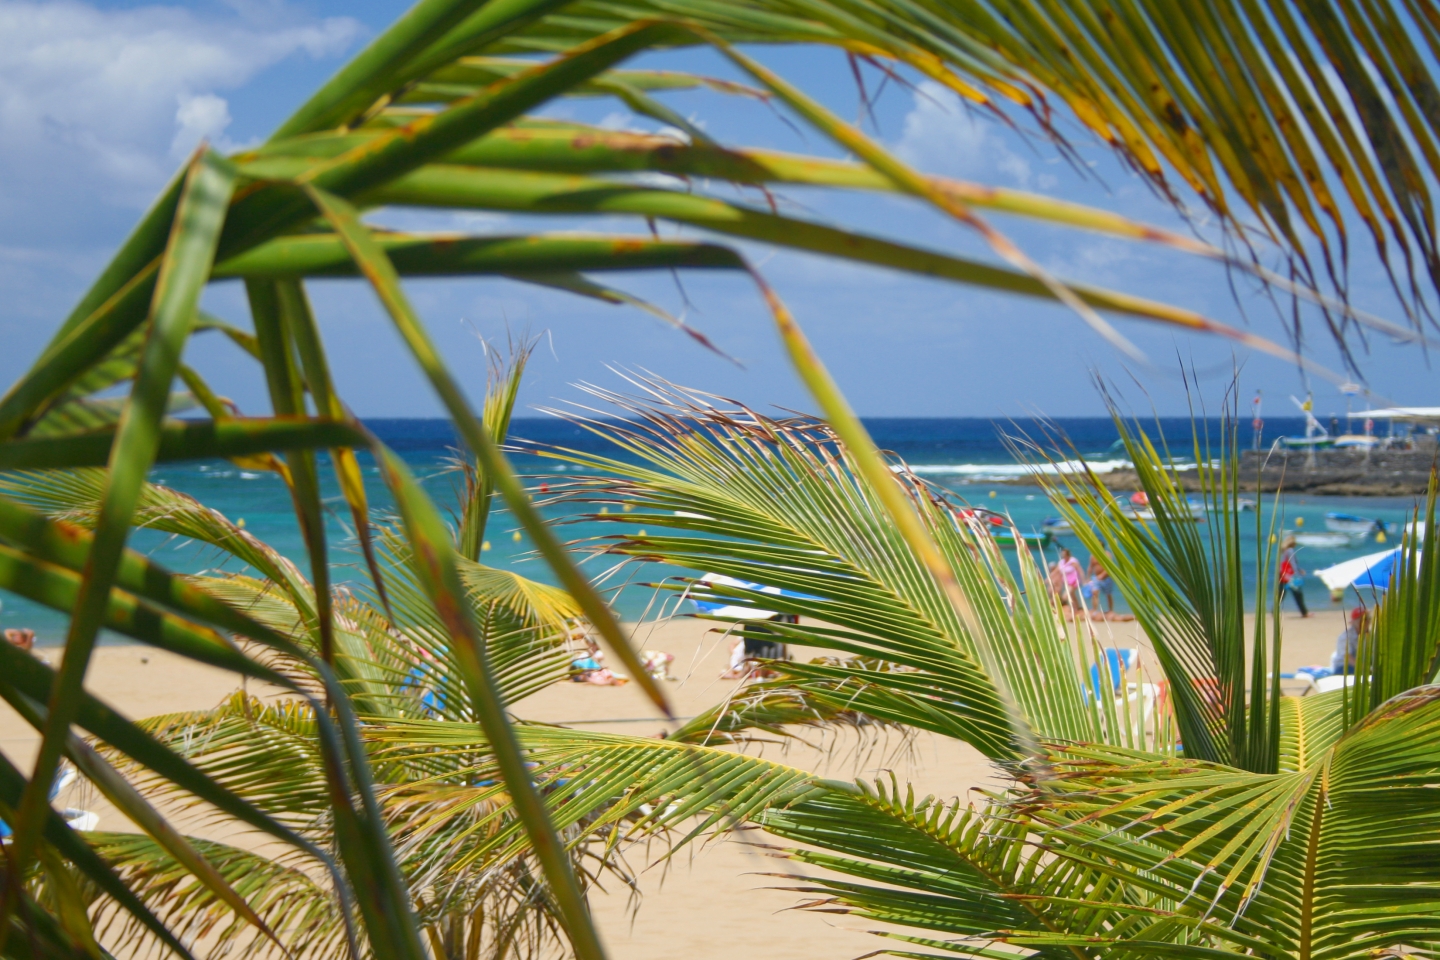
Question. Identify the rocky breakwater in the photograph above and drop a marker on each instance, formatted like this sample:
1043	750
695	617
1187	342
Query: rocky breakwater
1348	473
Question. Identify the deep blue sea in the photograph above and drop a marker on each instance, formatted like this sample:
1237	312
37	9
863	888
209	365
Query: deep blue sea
965	455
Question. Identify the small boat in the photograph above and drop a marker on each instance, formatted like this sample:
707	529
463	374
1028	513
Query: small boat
1356	441
1056	526
1244	503
1329	540
1353	525
1140	509
1306	443
1005	537
1001	532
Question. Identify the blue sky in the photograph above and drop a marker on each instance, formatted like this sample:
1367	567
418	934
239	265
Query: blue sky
100	101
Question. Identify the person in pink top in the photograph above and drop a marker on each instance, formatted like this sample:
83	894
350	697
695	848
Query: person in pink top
1071	573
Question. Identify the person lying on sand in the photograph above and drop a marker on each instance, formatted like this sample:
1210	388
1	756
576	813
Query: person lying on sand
657	663
591	669
24	639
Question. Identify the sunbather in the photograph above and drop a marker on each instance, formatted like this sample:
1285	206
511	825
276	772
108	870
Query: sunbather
591	669
1347	648
657	663
24	638
1347	645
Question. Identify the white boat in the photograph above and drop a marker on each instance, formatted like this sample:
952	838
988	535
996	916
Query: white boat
1306	443
1139	508
1324	541
1056	526
1353	525
1356	441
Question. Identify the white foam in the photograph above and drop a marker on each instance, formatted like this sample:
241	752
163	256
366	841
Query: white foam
1002	471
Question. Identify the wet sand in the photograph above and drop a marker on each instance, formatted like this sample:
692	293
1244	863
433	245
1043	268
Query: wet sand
712	900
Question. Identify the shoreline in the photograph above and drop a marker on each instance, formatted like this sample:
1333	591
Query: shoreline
1126	481
1335	473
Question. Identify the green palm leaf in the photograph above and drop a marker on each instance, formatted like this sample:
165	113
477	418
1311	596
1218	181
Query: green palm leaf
785	504
1322	860
1184	580
288	899
1235	101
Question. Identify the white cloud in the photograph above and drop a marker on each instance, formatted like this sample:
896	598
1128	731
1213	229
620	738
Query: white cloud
202	117
620	120
87	92
941	136
1015	167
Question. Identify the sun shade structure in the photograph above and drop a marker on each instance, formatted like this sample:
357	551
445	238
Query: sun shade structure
1372	571
730	611
1418	414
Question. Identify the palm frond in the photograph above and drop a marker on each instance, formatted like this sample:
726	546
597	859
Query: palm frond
1321	860
780	504
74	496
1401	648
504	385
1236	101
1185	582
302	912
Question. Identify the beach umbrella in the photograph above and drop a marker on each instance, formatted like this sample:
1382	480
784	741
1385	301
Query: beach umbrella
1372	570
736	612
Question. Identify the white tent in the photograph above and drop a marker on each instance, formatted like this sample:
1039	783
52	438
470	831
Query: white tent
1343	574
1423	414
735	611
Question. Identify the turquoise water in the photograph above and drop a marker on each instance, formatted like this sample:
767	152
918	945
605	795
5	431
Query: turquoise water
963	455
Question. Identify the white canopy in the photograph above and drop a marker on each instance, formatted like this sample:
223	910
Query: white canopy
734	611
1402	413
1343	574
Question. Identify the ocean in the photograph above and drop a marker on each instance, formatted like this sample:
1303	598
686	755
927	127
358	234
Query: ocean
966	455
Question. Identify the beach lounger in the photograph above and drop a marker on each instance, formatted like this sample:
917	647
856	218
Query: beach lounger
1121	662
77	819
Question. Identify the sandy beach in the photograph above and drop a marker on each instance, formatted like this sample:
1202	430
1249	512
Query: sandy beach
713	900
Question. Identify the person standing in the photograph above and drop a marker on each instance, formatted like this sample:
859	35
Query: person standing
1100	585
1292	577
1071	574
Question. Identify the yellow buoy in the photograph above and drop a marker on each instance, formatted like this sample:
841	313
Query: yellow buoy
642	533
240	523
604	510
1299	522
485	545
1272	538
1380	537
992	494
516	537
